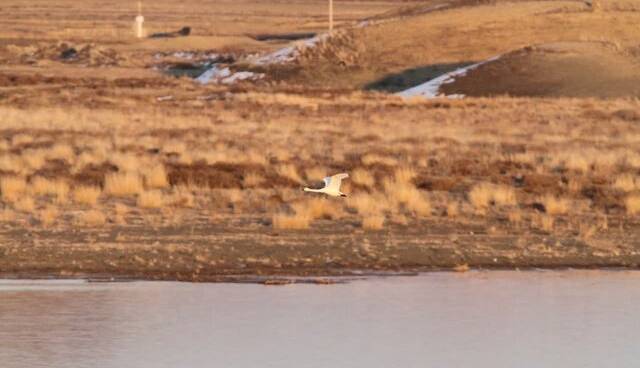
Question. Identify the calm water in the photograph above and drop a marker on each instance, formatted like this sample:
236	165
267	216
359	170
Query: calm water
476	319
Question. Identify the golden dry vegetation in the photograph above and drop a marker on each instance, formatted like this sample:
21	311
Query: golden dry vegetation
206	182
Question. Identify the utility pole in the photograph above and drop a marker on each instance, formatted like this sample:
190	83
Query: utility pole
139	21
330	16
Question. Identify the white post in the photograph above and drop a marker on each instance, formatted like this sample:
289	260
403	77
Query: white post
139	22
330	15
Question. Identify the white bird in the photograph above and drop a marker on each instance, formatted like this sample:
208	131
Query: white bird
331	185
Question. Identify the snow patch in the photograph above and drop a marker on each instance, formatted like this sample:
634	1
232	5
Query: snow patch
240	76
289	53
213	74
224	75
431	89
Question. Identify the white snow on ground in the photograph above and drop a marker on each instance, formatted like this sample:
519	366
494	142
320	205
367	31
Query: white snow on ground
225	76
431	89
288	53
213	74
238	76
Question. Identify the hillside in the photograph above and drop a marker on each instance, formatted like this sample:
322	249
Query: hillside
402	51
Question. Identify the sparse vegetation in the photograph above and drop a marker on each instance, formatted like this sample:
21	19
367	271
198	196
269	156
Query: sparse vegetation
91	218
48	216
156	177
555	206
24	204
150	199
632	204
483	195
221	164
123	184
373	222
86	195
291	222
12	188
363	177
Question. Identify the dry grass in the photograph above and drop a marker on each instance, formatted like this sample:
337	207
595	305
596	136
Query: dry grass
316	173
554	205
20	139
289	172
126	162
403	193
444	147
156	177
317	208
625	183
61	152
24	204
373	222
372	159
574	186
453	209
12	188
291	222
632	204
57	188
123	184
34	159
483	195
87	195
150	199
12	164
7	215
368	204
120	211
252	180
577	162
545	222
480	197
515	217
363	177
91	218
587	231
504	196
48	216
182	197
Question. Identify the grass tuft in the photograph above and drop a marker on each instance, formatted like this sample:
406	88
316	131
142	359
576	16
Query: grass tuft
12	187
150	199
92	218
632	204
555	206
87	195
123	184
156	177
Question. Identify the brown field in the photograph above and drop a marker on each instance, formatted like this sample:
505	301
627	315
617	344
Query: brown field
109	167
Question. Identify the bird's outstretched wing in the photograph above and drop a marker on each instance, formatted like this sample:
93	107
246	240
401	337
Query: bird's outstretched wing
334	181
327	181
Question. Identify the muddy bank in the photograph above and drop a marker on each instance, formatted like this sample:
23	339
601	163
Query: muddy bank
251	253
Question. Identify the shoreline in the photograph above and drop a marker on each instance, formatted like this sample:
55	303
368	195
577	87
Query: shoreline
287	278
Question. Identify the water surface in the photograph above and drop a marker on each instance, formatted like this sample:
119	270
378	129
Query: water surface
476	319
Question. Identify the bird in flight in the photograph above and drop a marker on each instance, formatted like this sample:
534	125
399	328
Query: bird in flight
331	185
